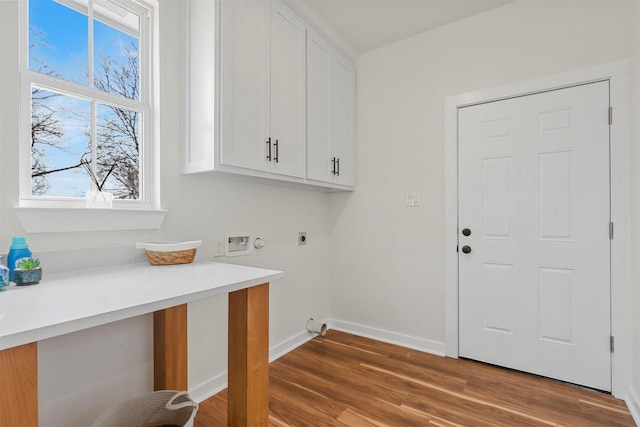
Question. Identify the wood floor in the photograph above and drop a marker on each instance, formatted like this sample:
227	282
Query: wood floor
344	380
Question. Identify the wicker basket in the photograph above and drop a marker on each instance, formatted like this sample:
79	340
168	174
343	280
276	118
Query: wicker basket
170	258
170	253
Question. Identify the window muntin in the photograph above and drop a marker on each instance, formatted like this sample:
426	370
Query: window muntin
104	124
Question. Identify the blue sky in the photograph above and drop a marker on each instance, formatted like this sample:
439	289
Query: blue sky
64	39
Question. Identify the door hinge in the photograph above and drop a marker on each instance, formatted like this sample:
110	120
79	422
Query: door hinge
611	343
610	115
611	230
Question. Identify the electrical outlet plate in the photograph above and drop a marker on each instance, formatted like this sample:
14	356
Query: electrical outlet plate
236	244
302	238
218	248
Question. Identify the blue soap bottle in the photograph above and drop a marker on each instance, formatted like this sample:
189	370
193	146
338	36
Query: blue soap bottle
18	251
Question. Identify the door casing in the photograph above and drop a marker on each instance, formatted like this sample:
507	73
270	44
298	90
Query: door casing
617	74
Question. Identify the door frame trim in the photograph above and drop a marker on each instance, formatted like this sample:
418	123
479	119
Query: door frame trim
617	73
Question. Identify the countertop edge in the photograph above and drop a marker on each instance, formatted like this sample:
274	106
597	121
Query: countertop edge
46	331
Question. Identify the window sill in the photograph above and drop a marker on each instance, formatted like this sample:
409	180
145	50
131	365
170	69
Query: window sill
52	220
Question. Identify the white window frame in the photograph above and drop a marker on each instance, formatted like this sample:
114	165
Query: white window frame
46	214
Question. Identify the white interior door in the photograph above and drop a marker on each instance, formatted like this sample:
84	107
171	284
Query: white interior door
534	290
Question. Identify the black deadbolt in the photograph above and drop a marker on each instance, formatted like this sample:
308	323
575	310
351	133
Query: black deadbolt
466	232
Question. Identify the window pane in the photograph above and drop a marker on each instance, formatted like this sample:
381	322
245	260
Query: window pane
58	41
60	129
118	151
116	56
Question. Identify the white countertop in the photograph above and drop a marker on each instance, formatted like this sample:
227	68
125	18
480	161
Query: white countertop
72	301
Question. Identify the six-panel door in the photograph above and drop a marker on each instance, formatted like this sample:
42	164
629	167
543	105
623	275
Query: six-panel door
534	195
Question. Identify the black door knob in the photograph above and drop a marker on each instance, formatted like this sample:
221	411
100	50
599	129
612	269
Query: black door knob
466	249
466	232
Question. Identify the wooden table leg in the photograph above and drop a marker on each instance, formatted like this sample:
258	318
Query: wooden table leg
249	357
170	349
19	386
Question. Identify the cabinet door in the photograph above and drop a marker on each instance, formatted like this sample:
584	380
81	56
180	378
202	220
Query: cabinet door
288	109
319	108
244	88
344	119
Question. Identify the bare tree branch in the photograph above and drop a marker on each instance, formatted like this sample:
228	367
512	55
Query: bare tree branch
43	172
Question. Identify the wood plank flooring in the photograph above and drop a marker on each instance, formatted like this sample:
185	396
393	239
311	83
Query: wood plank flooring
345	380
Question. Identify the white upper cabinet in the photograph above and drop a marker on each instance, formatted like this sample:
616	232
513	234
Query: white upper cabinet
288	102
262	96
330	113
201	88
245	84
320	164
344	109
266	95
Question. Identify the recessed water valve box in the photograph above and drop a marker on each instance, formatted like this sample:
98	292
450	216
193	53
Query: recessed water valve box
237	244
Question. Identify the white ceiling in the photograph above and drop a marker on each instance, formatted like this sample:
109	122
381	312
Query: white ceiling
369	24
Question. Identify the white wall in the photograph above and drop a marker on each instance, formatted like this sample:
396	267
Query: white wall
83	373
634	398
387	259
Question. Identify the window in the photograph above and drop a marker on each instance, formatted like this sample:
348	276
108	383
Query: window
86	99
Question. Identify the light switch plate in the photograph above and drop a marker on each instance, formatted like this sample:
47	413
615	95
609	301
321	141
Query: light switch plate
412	199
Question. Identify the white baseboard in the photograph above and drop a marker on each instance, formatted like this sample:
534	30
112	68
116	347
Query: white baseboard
212	386
633	403
292	343
408	341
219	382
